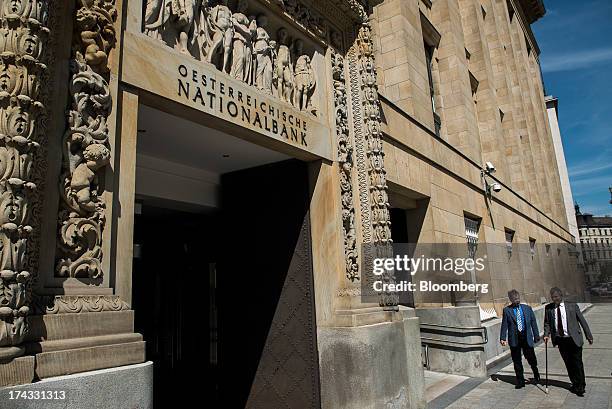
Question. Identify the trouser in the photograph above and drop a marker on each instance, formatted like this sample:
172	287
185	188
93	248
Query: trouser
572	357
529	355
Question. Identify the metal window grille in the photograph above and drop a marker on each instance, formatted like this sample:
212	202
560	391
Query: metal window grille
471	235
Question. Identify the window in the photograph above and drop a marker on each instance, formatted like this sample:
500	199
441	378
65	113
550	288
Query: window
548	249
471	235
532	246
429	52
509	239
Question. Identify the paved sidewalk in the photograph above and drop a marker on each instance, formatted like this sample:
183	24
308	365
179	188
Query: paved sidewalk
498	391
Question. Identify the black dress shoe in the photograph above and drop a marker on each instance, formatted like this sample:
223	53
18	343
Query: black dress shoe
536	378
519	385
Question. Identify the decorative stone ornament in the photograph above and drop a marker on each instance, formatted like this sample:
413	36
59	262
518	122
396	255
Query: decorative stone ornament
345	160
238	44
78	304
377	181
23	41
86	147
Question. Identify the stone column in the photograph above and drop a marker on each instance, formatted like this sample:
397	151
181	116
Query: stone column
23	113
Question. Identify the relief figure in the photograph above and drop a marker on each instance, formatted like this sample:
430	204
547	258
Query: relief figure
242	49
283	71
304	83
265	50
222	28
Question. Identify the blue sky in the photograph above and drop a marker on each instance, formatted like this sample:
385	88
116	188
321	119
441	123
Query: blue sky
575	39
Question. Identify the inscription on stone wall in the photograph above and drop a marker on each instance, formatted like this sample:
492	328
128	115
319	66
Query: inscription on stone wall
240	105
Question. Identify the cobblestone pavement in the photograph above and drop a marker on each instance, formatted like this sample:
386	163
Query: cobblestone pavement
498	391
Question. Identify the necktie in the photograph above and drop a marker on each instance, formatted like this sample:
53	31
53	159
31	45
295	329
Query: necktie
519	319
559	322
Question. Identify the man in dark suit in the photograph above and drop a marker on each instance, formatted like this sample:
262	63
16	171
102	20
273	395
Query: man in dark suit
519	326
562	322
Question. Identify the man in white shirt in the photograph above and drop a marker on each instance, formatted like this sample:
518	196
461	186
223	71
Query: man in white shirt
562	324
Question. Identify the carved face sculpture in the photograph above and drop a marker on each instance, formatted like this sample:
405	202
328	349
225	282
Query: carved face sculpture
29	44
15	6
298	46
282	35
96	155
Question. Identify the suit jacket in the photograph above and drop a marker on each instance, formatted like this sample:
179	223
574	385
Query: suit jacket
509	326
573	316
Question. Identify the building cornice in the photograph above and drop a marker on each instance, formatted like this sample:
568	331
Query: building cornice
533	9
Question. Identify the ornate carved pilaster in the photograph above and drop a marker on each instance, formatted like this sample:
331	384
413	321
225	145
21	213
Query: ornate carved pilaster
345	159
86	147
23	111
373	198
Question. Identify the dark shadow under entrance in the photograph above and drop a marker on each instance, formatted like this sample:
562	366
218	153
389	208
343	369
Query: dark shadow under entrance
252	256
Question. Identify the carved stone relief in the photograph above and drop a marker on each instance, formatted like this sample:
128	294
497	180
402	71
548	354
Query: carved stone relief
86	148
23	81
345	160
66	304
371	177
238	44
379	201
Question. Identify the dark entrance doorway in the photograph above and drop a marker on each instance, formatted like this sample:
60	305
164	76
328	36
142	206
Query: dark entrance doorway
252	256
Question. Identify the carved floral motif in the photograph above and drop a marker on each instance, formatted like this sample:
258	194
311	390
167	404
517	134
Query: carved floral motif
66	304
238	44
86	146
23	42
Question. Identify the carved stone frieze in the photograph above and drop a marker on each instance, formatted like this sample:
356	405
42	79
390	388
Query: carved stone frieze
86	147
24	35
345	160
237	44
66	304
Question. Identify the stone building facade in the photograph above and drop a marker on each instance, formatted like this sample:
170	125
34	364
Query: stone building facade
152	147
595	245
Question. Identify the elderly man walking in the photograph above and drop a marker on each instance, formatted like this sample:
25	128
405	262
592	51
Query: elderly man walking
519	326
562	322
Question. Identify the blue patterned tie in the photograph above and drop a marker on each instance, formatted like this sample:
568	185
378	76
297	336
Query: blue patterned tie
519	319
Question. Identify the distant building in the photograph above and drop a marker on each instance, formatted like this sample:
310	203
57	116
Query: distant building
596	244
552	107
